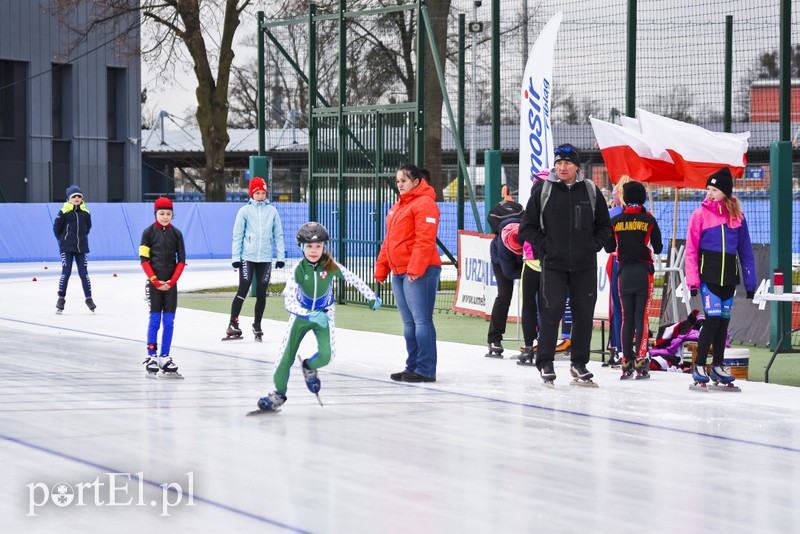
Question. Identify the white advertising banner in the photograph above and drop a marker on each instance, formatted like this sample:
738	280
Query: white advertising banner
476	288
535	134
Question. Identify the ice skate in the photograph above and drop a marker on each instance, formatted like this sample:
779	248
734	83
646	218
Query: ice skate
495	350
151	366
642	367
168	367
581	376
312	380
548	374
257	332
627	369
563	344
614	359
722	380
90	304
60	303
270	404
700	378
526	356
233	332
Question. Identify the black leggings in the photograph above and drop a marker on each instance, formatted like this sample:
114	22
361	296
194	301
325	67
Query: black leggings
635	283
262	272
530	307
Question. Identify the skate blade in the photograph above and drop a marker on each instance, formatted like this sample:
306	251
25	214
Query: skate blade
318	399
625	377
258	339
59	312
549	384
720	387
584	383
642	377
698	387
526	363
232	338
173	376
493	355
152	376
259	411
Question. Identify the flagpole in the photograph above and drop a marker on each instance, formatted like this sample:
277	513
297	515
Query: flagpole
675	218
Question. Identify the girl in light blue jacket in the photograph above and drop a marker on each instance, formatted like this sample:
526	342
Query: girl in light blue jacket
256	231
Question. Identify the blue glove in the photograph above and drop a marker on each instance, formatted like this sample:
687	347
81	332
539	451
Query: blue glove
319	317
375	304
279	264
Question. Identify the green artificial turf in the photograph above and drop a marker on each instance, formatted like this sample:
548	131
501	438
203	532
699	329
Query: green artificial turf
458	328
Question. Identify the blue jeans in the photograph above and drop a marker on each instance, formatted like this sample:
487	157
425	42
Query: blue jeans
415	301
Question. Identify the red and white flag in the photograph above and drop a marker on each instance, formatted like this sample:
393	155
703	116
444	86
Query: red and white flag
696	152
626	151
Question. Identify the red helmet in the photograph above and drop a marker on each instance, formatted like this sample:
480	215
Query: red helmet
163	203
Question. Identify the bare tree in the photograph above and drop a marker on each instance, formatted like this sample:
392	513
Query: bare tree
677	104
178	32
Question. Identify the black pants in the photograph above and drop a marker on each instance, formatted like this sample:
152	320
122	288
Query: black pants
582	287
262	273
714	331
635	285
505	289
530	305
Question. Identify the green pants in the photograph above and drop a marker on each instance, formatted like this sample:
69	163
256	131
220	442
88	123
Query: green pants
298	328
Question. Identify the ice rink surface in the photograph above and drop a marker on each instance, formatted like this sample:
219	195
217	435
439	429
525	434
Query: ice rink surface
487	448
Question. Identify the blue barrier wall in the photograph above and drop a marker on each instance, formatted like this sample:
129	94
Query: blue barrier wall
26	230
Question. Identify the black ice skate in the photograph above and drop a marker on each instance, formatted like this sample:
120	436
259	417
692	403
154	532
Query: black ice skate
721	379
627	369
151	366
548	374
495	350
168	367
311	377
233	332
614	359
258	332
581	376
270	404
90	304
642	367
526	356
60	303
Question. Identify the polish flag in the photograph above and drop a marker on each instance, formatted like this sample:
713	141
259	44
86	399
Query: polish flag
697	152
627	151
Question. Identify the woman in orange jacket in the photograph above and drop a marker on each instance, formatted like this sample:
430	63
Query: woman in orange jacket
410	255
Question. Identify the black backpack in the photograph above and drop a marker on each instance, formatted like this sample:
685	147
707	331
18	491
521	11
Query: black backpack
505	209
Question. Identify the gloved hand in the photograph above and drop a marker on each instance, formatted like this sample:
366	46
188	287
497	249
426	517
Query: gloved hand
280	264
693	292
319	317
751	295
375	304
237	265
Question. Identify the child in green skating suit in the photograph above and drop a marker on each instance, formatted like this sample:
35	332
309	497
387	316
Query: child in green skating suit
310	302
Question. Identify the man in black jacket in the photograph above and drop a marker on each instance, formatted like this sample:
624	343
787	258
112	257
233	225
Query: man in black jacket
566	236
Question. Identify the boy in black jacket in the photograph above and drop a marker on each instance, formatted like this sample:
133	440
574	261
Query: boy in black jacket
163	258
71	228
636	237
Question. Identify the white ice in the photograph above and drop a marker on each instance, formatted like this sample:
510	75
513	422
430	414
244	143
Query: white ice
486	448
